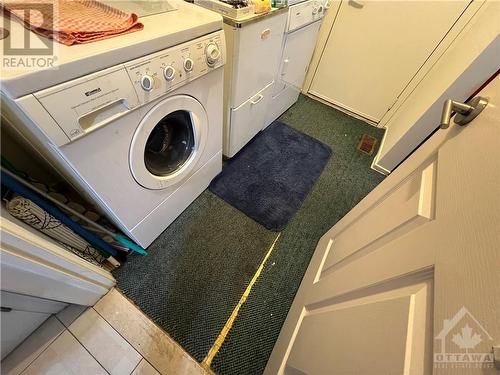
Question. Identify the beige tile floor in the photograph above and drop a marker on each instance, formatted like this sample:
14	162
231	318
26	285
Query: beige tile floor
113	337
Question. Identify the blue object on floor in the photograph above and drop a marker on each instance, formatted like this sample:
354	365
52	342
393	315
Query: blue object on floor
271	176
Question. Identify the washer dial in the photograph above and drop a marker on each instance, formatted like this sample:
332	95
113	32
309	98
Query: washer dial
188	64
147	82
169	73
212	52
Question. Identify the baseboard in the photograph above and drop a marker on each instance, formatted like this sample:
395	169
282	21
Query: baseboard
346	111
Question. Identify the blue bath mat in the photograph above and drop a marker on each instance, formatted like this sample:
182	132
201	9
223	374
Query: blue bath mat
271	176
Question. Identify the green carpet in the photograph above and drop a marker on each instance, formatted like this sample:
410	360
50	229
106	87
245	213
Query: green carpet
198	268
346	179
196	271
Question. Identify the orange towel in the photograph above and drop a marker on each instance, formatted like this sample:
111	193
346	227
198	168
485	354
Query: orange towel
73	21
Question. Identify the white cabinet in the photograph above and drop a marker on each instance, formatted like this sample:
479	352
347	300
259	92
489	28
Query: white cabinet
21	315
298	49
253	53
40	278
375	48
16	326
303	25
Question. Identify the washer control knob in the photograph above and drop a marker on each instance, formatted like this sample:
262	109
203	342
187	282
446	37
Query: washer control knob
212	52
147	82
169	73
315	8
188	64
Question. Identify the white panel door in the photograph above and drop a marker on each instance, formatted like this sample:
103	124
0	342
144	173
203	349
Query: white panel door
408	282
375	48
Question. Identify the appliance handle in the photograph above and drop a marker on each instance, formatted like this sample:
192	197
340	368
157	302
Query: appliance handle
358	4
104	114
254	101
285	66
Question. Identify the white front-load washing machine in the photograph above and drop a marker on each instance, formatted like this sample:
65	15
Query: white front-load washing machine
142	138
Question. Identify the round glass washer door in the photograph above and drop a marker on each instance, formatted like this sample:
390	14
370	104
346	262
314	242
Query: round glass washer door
168	142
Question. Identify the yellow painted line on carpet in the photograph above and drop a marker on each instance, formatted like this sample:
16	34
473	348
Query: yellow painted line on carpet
229	323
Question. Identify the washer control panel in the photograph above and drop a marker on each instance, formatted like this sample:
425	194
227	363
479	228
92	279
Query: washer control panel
303	14
85	104
157	74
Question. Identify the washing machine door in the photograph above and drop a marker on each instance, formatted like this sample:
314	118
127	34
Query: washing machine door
168	142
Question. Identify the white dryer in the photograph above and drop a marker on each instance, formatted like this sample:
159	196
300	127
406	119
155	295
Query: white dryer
141	138
301	32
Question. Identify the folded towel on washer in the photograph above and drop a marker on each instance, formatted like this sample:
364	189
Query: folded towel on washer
72	21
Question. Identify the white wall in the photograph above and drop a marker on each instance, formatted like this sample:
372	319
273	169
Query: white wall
472	58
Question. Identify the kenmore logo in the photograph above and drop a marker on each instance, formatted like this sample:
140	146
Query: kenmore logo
92	92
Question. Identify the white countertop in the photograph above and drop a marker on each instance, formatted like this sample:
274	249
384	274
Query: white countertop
160	31
238	23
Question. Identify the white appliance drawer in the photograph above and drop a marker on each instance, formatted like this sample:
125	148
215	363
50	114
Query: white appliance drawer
256	50
246	121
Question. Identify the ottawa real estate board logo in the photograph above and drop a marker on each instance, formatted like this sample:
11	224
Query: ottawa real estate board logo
23	49
463	343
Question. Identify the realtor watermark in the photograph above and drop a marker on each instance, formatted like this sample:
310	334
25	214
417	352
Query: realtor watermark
463	343
22	48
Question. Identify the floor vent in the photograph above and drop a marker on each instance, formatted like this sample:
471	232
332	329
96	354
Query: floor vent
367	144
